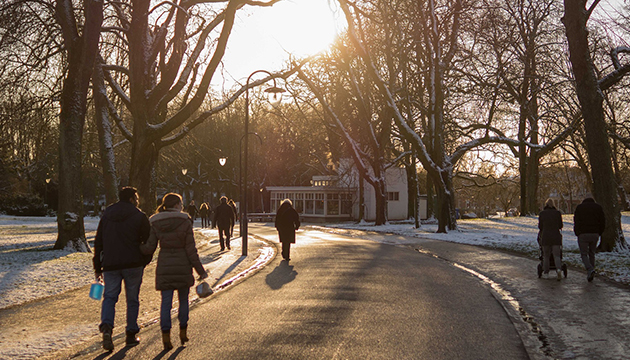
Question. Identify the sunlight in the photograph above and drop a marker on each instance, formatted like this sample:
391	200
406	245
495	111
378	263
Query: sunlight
265	38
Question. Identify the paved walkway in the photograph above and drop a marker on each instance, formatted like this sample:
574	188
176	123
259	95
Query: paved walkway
55	326
567	319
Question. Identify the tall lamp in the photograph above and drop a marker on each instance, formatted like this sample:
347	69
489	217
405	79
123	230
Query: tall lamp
275	96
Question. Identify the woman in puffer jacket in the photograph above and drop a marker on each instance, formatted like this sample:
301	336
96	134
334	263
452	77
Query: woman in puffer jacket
173	229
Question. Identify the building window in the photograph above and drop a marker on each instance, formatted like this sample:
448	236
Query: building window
393	195
346	204
332	204
319	204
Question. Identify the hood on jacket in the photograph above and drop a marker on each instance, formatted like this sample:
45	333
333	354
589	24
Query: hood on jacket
168	220
120	211
588	200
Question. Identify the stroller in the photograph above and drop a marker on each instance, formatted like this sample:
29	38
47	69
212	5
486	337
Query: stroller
552	262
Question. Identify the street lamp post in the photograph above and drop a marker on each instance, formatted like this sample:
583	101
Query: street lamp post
274	91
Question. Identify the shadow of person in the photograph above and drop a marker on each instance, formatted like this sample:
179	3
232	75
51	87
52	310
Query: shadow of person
282	274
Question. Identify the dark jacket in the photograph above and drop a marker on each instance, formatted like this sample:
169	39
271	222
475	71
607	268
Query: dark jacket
178	253
287	222
589	218
192	210
549	224
120	232
224	216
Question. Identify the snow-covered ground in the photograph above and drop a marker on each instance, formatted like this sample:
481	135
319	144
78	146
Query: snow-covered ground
517	234
29	269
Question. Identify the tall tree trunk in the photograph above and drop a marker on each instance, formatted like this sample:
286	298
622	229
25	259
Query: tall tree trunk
361	197
144	156
380	196
532	181
591	101
446	204
81	51
108	160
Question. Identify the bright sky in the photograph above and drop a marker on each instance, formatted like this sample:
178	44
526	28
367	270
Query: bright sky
263	38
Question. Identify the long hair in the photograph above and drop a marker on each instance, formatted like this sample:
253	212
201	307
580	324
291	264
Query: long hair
169	201
203	206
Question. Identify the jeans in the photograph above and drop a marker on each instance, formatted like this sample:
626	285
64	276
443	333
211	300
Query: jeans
588	245
113	281
555	251
167	304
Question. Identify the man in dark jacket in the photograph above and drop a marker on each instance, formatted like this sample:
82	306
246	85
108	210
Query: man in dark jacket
117	258
589	223
224	218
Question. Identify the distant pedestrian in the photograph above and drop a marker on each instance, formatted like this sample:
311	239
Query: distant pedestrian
287	222
192	210
549	224
224	219
178	255
203	214
589	223
117	258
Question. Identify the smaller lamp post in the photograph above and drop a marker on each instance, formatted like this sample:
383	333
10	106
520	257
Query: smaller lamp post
275	96
46	193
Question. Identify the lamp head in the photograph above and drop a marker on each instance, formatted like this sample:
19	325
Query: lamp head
184	171
275	95
222	161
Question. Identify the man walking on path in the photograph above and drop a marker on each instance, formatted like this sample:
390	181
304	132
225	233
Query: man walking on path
117	258
224	218
589	222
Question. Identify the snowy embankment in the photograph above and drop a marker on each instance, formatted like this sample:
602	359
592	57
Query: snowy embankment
517	234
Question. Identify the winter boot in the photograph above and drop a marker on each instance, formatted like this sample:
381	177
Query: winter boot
183	334
131	339
559	274
166	340
108	344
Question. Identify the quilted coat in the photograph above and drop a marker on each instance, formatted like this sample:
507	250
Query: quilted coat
178	255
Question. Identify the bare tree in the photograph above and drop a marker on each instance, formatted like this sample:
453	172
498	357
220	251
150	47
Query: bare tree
162	72
589	90
81	45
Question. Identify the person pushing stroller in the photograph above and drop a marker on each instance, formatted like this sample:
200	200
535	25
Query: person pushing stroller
550	237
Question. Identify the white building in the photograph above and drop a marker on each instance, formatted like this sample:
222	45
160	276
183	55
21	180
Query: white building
336	198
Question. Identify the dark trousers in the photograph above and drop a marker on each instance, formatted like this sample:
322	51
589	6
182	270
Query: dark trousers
588	245
224	232
286	250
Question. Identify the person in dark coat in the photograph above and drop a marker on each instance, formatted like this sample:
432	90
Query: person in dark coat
287	222
117	259
224	219
203	214
192	210
589	223
178	255
549	224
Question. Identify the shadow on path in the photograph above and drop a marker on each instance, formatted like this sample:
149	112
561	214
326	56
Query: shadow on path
229	270
282	274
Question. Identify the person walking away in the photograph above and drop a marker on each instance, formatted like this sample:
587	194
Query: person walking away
117	259
549	224
287	222
203	214
589	222
224	219
173	230
233	206
192	210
